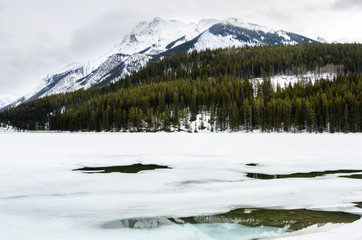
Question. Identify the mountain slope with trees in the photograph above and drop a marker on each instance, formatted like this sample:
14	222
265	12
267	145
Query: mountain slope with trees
173	92
150	41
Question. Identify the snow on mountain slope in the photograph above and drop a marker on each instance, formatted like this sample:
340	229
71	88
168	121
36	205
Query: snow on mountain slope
61	82
6	99
122	64
158	38
3	102
155	37
212	41
233	33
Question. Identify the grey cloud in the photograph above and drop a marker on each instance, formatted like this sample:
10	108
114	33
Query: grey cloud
347	4
278	15
22	70
99	35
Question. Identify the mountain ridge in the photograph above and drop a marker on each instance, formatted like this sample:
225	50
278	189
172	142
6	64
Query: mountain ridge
155	40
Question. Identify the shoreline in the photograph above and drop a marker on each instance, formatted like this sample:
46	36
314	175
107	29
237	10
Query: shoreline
308	230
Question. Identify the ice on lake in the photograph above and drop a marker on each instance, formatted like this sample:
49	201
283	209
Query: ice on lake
41	197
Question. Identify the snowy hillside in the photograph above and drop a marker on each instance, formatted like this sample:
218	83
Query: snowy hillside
158	38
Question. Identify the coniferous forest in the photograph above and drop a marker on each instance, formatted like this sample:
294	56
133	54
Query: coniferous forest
171	93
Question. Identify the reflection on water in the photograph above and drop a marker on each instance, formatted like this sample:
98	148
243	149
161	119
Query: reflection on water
219	231
231	231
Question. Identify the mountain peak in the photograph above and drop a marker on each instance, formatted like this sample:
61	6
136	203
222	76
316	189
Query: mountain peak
157	20
153	25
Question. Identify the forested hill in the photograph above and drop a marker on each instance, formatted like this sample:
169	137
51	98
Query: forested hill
173	92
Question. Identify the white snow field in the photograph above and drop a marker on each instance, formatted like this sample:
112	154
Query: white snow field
42	198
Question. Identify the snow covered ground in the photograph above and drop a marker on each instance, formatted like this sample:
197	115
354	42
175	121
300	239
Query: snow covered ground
284	80
42	198
6	128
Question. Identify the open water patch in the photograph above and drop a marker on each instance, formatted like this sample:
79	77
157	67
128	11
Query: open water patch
232	231
303	175
354	176
358	204
287	219
207	230
252	164
135	168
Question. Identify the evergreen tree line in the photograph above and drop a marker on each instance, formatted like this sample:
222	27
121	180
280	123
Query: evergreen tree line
171	93
252	62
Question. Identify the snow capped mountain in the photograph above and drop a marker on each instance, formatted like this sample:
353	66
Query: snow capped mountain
153	40
159	35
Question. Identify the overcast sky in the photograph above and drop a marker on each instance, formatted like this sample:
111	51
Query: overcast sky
38	37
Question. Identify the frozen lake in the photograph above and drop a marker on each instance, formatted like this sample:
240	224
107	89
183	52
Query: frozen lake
41	197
